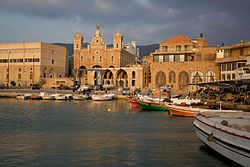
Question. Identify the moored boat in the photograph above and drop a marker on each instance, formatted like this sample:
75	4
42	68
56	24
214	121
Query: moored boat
133	102
80	97
102	96
183	110
21	97
60	97
151	106
228	133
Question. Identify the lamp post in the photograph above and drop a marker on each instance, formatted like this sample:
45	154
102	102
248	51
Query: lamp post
8	69
33	77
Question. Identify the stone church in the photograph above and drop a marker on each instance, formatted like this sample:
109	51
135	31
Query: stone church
98	64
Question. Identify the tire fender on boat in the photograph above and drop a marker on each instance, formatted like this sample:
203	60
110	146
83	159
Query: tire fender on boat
210	137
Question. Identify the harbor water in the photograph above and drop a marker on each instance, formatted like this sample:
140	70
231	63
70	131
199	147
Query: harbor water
97	133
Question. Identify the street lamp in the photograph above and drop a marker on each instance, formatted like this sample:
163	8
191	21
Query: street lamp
33	77
8	84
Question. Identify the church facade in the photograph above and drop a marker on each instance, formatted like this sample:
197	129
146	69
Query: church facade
98	64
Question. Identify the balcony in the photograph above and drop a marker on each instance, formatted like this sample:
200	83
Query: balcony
230	59
173	51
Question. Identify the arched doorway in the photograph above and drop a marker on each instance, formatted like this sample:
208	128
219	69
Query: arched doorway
82	75
183	81
160	79
121	78
108	78
97	77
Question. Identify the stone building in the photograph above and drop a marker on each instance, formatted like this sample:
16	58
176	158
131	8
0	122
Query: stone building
26	63
231	57
181	61
116	64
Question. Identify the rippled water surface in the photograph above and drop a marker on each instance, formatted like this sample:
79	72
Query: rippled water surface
85	133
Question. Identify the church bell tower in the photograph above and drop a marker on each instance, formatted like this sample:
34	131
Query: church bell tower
118	40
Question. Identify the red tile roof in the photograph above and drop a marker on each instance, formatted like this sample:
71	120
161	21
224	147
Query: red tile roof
177	39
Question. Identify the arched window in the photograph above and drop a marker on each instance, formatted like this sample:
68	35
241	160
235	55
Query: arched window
93	59
100	59
171	77
197	77
183	81
112	59
160	79
133	75
210	76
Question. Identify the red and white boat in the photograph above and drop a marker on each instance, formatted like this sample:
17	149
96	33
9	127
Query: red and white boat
228	133
133	102
186	111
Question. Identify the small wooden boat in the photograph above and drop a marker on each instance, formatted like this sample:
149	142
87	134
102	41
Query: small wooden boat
46	96
133	102
228	133
152	106
183	110
24	97
80	97
60	97
69	96
35	97
102	96
49	97
21	97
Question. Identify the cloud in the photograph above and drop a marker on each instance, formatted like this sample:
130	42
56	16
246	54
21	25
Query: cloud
146	21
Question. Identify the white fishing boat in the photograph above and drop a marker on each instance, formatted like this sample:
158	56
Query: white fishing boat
102	96
21	97
60	97
24	97
46	96
80	97
69	96
228	133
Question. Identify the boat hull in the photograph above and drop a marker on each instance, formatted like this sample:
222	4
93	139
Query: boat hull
183	111
152	106
101	97
133	103
80	97
231	143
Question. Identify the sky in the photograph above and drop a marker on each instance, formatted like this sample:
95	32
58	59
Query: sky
145	21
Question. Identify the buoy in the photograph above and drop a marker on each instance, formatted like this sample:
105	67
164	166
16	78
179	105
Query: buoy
109	109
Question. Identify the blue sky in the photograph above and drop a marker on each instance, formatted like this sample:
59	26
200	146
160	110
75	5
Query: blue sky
146	21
